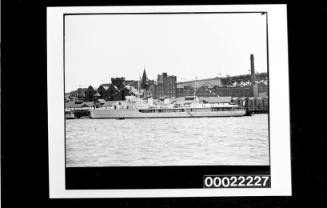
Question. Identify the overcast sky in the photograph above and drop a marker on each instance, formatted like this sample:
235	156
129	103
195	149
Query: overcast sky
99	47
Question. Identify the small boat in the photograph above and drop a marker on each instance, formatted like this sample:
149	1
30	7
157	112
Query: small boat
69	114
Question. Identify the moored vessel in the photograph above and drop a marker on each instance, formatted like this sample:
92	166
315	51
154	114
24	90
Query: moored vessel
69	114
190	107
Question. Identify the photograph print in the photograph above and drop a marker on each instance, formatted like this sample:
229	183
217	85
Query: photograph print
166	90
166	94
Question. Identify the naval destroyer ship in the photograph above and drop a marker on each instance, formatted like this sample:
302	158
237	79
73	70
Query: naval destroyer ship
134	107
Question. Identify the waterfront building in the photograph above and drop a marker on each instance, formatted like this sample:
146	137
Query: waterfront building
132	83
210	82
249	85
189	91
203	91
186	91
170	86
149	92
263	90
78	94
233	91
180	92
158	90
81	93
165	86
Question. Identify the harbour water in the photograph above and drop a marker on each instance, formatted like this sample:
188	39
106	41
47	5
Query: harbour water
167	142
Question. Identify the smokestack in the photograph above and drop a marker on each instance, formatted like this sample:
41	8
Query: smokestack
253	80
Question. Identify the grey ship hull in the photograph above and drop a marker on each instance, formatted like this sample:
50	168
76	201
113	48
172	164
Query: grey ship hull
126	114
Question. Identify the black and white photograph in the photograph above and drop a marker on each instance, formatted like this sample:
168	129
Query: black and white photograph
166	90
178	96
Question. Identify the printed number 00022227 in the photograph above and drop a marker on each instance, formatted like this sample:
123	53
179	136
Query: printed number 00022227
251	181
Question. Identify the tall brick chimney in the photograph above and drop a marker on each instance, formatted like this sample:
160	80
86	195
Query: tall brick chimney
252	69
253	79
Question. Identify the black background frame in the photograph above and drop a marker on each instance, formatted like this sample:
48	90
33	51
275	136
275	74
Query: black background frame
24	145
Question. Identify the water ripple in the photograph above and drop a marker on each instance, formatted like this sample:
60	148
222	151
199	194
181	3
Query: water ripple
161	142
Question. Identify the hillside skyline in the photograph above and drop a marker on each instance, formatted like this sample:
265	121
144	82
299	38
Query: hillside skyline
109	81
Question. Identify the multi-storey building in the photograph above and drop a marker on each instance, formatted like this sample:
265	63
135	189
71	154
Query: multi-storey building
165	86
234	91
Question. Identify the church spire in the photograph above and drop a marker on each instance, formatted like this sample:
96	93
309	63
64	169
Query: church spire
144	80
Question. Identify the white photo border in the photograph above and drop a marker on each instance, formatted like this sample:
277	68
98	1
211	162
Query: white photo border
279	121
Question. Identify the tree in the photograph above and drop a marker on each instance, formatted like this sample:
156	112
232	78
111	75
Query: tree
89	93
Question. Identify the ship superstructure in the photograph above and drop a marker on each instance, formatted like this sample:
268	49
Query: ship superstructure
135	107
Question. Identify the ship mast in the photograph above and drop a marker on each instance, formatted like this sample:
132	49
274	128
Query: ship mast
195	86
138	87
